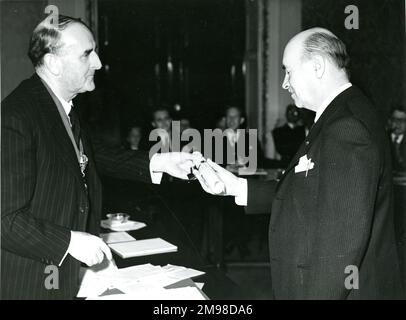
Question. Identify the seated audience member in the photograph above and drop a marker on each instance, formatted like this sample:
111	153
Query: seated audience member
289	137
184	124
221	123
397	129
238	228
134	137
161	119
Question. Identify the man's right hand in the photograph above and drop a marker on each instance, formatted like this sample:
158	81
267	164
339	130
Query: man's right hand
88	248
233	184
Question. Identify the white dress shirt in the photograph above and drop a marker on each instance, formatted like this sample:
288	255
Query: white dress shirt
241	198
329	99
397	138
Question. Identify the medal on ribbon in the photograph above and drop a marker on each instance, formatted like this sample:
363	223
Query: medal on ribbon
83	160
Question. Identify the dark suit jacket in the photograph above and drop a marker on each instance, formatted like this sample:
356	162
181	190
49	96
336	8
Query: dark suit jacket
43	196
341	214
398	156
287	141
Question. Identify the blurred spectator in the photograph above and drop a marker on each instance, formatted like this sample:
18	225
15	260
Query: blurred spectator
238	228
289	137
134	137
184	124
221	123
161	119
397	129
235	120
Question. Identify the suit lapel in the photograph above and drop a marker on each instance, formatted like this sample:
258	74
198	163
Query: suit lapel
55	127
333	107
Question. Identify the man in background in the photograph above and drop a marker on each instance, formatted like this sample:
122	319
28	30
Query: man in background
134	137
161	119
397	130
235	132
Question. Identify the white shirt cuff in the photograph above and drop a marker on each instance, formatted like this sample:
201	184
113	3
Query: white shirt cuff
67	251
156	176
241	197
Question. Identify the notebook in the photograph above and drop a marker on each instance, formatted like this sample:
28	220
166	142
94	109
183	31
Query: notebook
142	247
114	237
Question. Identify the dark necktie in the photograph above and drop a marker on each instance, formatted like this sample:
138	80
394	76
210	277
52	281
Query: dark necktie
74	120
397	149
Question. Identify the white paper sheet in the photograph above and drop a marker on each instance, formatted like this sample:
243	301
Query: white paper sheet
132	280
185	293
142	247
115	237
96	280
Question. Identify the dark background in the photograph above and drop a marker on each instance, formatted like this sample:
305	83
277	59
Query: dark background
202	40
377	48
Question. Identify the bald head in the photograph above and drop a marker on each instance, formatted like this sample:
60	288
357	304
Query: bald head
316	62
320	41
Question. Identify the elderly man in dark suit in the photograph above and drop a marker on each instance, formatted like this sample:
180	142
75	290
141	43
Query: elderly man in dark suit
50	192
331	233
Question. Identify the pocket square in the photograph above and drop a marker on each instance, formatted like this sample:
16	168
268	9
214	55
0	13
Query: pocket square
304	164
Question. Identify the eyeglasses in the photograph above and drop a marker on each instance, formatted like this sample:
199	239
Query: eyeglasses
398	120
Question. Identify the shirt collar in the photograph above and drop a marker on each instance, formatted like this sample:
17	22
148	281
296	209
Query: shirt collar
67	106
329	99
397	138
232	135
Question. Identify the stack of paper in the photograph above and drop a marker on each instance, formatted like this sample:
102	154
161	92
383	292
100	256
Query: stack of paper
185	293
164	277
143	280
97	279
142	247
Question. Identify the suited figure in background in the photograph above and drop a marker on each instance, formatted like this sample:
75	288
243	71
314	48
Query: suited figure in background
397	130
331	232
289	137
235	124
162	120
51	192
134	137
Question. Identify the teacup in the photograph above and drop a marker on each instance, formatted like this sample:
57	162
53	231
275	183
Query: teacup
117	218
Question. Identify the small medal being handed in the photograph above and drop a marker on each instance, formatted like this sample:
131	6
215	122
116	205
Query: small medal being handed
83	160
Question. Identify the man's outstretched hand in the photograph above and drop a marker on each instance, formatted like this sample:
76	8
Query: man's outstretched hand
177	164
231	182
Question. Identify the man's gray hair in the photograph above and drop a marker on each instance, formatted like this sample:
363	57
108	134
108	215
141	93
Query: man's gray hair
327	44
46	38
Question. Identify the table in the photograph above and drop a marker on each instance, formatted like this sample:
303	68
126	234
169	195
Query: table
162	222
